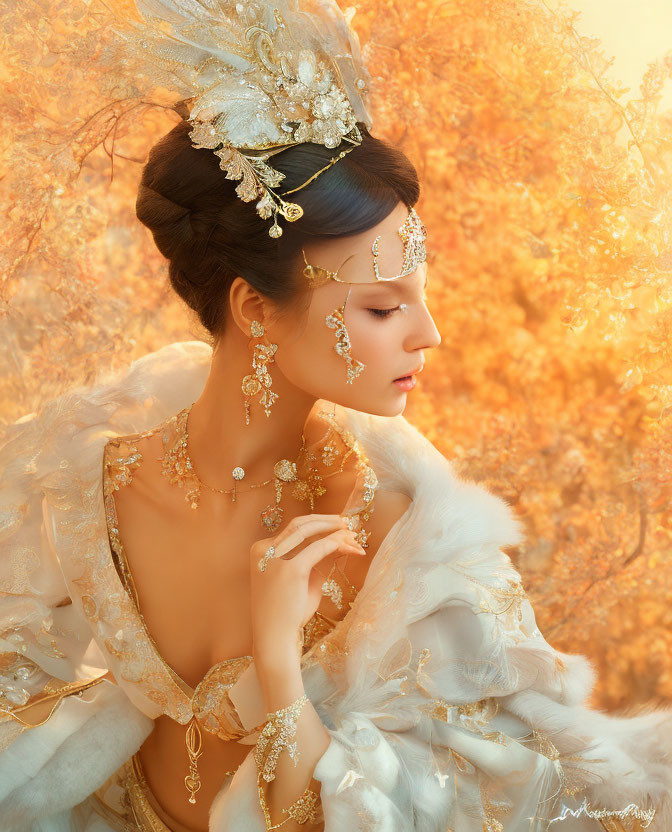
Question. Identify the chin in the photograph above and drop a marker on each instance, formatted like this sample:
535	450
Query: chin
394	408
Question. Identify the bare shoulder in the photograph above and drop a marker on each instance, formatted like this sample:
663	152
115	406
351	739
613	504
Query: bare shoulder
388	509
388	506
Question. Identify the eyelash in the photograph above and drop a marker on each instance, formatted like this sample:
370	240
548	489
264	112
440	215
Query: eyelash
383	313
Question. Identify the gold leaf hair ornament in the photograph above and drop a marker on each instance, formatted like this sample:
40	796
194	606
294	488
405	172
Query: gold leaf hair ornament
257	77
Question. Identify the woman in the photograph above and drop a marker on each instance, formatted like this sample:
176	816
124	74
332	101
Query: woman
241	591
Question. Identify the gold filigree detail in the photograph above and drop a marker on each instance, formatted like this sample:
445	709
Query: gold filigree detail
567	766
110	601
54	691
474	716
509	597
211	703
277	736
492	812
120	465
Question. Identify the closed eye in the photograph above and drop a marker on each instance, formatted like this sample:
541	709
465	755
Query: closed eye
383	313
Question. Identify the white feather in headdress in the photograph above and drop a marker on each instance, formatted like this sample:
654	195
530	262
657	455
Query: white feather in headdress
258	77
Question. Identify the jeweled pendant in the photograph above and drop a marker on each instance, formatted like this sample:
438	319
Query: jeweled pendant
301	490
271	517
329	454
333	591
193	496
285	470
194	744
251	385
354	369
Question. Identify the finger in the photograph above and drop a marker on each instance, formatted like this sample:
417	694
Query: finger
301	528
312	554
306	526
347	538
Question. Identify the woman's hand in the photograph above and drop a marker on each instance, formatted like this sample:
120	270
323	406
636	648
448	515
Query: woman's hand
287	593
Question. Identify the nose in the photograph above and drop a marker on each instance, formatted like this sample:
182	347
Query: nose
424	334
431	337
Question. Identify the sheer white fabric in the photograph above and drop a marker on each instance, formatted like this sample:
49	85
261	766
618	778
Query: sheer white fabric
446	707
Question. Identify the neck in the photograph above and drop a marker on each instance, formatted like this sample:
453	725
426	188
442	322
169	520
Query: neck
219	438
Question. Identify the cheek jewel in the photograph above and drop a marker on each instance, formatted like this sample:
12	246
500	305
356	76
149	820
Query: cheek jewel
335	321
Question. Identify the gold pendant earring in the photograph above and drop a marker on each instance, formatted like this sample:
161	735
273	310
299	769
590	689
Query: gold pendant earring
260	380
342	346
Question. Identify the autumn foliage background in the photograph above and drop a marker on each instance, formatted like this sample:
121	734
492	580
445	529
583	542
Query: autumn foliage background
546	191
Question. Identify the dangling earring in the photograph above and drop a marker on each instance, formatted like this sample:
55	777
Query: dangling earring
261	378
335	321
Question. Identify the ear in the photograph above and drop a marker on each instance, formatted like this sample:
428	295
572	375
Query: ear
247	305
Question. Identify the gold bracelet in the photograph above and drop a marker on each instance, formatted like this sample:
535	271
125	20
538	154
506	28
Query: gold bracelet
276	735
305	809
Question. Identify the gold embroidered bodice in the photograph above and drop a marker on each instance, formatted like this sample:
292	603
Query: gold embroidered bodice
209	701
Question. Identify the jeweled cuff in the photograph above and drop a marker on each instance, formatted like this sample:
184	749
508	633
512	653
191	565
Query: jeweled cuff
277	735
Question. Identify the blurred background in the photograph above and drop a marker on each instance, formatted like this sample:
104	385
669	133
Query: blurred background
542	133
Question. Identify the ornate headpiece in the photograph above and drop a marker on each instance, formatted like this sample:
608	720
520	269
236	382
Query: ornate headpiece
258	77
403	249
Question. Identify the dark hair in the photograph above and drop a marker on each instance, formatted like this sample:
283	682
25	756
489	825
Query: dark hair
210	235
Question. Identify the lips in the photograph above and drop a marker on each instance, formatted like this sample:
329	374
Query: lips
412	373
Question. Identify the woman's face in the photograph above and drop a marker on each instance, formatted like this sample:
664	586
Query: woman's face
388	324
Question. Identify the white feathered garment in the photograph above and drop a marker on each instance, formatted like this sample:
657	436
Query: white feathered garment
446	707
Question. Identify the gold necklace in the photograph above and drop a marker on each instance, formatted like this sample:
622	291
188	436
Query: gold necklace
178	467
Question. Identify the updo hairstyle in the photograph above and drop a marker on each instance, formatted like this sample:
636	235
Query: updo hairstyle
209	235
